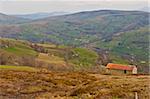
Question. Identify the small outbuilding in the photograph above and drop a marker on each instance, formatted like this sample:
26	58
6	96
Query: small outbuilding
121	69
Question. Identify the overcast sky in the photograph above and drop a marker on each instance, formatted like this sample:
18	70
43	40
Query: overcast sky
34	6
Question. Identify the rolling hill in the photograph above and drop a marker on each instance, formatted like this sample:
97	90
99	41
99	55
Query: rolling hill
79	28
50	56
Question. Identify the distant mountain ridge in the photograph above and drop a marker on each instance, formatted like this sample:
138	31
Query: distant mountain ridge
41	15
104	23
146	9
7	19
76	27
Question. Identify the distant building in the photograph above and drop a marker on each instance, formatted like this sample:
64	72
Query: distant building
121	69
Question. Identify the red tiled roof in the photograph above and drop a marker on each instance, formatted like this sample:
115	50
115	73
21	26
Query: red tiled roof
118	66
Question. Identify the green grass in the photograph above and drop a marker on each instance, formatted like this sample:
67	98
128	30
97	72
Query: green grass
17	47
21	51
20	68
83	57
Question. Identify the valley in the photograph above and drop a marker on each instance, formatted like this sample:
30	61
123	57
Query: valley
65	56
122	34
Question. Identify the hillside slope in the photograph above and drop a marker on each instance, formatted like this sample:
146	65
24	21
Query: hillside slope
50	56
79	28
131	47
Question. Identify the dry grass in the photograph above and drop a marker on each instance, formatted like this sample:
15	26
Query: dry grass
70	85
53	60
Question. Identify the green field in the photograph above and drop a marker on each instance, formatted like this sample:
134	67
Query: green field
18	68
21	51
16	52
84	58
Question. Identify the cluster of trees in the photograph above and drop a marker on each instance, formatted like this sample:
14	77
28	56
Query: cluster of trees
38	48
